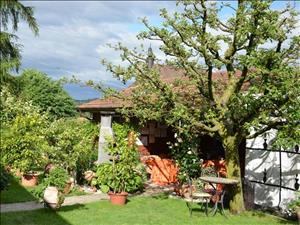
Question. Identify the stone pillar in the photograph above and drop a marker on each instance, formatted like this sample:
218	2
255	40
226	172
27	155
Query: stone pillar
105	130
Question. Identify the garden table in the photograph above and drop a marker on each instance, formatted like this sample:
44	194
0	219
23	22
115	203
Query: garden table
218	180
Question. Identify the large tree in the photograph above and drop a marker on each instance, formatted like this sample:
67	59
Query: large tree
45	93
11	12
257	89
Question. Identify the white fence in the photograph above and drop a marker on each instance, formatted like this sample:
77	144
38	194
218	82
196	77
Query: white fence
274	173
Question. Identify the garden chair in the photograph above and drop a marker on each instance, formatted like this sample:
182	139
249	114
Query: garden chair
199	197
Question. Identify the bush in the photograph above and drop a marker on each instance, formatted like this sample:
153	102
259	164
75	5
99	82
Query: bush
4	178
185	153
22	133
57	177
124	173
295	204
119	177
72	144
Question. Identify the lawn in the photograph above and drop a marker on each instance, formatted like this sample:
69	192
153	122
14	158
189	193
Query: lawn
139	210
16	192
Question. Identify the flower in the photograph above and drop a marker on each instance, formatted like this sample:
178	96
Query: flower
189	152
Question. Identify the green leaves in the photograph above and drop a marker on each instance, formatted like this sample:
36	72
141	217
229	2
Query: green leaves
57	177
29	139
11	12
71	143
124	173
47	94
255	51
22	140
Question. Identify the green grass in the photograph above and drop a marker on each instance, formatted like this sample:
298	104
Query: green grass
16	192
139	210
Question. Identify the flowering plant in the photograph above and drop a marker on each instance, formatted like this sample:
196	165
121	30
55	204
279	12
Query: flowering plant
185	153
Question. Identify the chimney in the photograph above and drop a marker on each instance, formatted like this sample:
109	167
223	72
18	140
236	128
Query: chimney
150	58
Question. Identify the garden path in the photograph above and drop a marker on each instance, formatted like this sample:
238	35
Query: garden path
72	200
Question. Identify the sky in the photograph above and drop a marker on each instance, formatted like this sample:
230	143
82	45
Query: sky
73	37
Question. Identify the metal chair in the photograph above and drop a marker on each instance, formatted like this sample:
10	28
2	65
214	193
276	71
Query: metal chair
197	197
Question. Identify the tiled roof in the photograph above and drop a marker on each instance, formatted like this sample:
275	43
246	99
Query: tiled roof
167	74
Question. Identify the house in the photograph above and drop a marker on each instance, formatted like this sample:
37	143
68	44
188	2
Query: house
154	135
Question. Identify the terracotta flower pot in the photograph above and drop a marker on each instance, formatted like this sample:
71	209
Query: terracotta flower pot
29	180
118	198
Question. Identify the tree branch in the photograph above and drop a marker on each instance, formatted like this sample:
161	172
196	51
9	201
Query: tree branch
274	124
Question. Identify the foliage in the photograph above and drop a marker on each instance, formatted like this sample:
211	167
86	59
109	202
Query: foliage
254	52
123	174
22	134
185	152
295	204
46	93
23	143
72	144
57	177
4	178
11	12
11	106
29	139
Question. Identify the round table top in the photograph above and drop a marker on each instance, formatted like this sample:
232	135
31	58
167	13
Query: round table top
219	180
201	195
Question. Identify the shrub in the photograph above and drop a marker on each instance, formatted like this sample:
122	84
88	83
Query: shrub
124	173
295	204
57	177
72	144
4	178
185	152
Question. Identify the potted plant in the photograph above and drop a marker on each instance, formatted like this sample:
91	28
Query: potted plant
51	189
121	175
23	144
27	162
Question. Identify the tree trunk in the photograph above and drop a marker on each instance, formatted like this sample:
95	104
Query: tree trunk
236	202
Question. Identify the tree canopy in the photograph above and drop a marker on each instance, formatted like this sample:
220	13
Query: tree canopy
239	74
46	93
11	12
